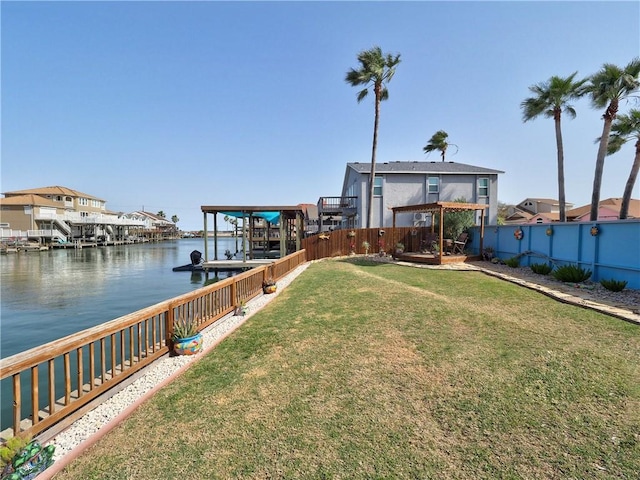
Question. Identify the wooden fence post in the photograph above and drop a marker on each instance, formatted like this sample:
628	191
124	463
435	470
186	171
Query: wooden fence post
169	324
234	294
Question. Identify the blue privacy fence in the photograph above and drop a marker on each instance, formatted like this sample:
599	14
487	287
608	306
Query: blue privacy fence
611	250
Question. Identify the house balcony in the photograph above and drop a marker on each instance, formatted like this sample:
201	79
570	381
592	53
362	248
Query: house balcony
337	206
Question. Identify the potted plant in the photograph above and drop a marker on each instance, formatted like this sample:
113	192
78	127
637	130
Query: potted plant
366	245
24	458
488	253
187	340
241	309
269	285
351	234
399	248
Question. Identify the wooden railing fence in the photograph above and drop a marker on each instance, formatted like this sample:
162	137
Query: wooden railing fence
56	383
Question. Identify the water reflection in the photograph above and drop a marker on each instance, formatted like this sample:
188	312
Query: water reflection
59	292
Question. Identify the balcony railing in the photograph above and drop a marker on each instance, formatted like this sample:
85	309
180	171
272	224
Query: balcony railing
336	204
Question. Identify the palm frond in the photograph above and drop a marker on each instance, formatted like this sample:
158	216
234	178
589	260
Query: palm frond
375	69
613	83
552	97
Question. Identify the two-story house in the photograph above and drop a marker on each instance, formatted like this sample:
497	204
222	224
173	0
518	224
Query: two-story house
535	210
409	183
59	214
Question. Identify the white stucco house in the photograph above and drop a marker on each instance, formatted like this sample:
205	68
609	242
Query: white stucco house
408	183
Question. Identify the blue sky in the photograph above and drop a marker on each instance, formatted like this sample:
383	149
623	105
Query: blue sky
174	105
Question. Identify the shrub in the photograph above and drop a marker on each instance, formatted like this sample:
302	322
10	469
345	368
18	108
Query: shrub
571	273
613	285
11	448
541	268
488	253
513	262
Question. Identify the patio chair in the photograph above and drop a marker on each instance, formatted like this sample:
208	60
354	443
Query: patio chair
460	243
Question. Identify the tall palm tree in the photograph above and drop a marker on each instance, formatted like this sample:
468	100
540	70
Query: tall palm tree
438	141
607	87
550	99
376	71
624	128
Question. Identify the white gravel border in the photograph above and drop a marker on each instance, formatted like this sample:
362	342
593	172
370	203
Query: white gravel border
90	427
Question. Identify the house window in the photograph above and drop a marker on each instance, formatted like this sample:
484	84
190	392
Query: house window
83	201
483	187
377	186
433	184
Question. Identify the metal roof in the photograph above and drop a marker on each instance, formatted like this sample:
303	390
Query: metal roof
289	211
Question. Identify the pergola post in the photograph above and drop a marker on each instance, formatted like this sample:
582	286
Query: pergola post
481	231
244	238
440	232
206	235
215	236
283	234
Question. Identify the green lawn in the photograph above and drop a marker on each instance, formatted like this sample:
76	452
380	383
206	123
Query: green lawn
361	370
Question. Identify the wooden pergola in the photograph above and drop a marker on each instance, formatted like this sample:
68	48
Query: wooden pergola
290	220
440	209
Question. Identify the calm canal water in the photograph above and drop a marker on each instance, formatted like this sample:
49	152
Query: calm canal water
47	295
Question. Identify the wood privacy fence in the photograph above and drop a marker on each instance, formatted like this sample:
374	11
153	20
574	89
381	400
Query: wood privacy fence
343	242
56	383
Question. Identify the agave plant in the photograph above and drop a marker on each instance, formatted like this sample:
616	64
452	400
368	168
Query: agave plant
184	328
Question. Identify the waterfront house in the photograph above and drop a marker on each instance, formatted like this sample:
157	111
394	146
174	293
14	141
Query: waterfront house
155	225
408	183
59	214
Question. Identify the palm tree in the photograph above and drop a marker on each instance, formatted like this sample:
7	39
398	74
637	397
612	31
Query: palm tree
607	87
175	219
438	141
376	71
551	99
624	128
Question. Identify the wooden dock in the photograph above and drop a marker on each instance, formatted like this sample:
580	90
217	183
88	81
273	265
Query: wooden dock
236	264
